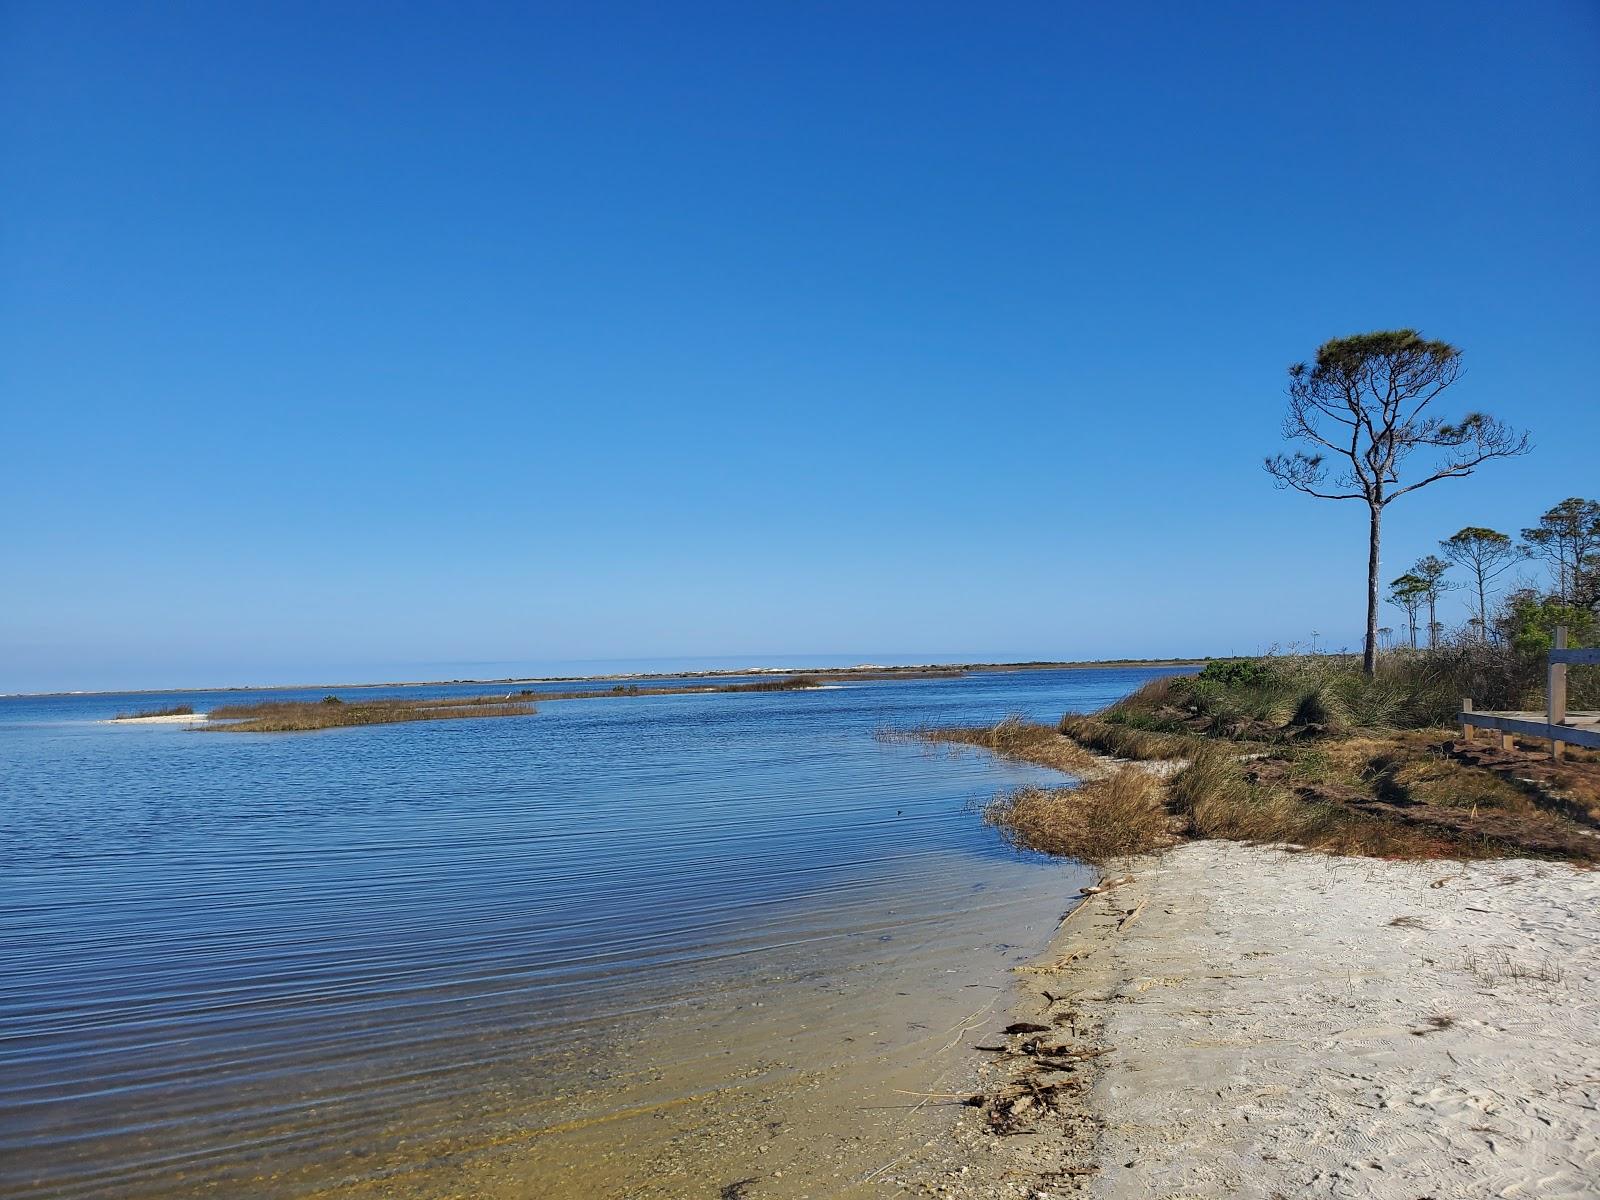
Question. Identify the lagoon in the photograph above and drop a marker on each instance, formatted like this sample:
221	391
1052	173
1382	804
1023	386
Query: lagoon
622	947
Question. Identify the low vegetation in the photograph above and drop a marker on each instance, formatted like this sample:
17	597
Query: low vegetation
1122	739
1299	751
1011	738
1105	817
332	712
1299	697
789	683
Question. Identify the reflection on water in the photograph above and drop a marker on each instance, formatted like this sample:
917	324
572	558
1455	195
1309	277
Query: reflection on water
443	956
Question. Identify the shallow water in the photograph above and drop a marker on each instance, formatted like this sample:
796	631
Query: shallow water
606	949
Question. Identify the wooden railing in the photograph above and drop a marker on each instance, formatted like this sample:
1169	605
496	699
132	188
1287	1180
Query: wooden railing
1559	726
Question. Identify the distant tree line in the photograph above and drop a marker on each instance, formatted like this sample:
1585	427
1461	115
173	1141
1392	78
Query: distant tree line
1565	541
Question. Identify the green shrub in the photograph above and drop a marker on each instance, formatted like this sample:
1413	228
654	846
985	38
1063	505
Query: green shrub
1529	623
1237	672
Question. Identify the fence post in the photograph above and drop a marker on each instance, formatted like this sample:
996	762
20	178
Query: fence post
1466	727
1556	691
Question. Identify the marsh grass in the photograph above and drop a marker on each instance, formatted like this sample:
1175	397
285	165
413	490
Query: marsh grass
1374	794
298	716
789	683
1110	814
1358	764
332	712
1101	819
1216	800
1124	739
1013	738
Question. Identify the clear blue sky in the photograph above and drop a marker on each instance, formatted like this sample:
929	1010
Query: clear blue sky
347	341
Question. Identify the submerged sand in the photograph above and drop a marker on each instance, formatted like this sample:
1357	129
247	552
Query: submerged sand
1286	1025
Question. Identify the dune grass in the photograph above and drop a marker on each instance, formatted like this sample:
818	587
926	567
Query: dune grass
1386	795
1215	799
1121	740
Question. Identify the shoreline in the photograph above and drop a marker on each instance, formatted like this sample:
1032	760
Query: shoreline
163	719
1263	1022
911	670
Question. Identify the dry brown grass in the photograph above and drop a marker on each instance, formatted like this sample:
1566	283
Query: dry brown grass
1434	779
1112	813
1388	796
1217	801
1012	738
1103	818
1305	753
1216	798
1126	741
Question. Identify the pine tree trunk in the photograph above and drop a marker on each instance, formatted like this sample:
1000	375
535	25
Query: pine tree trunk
1369	657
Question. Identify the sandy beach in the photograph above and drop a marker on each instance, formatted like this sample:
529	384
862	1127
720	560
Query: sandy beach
163	719
1278	1024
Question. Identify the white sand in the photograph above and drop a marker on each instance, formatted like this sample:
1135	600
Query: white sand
186	719
1274	1034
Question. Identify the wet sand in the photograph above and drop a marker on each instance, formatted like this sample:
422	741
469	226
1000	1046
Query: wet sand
794	1084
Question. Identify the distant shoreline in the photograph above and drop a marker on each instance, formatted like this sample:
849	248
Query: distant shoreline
874	669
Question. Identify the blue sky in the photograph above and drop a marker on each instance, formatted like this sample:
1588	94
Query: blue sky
346	341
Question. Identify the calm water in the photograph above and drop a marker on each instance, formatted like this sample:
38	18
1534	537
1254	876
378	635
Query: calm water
281	963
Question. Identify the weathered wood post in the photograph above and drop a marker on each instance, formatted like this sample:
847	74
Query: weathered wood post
1556	691
1466	729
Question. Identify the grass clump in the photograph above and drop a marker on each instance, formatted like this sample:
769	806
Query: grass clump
1104	818
1012	738
1216	800
1122	738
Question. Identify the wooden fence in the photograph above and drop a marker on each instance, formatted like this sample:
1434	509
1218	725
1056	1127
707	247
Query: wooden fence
1556	725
